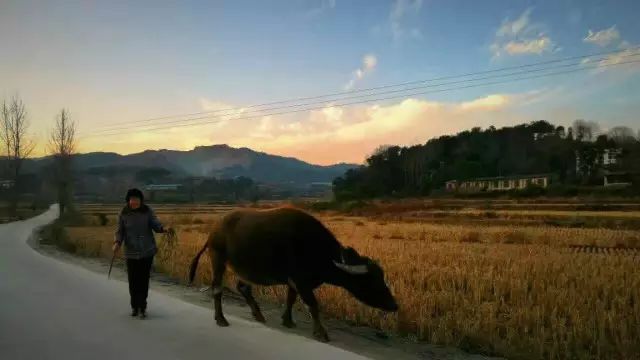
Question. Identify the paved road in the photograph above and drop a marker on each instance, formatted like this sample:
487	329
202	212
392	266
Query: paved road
54	310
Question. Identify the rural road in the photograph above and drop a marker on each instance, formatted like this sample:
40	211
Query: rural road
54	310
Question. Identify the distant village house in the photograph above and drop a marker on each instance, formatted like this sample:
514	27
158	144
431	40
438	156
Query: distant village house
163	187
6	184
157	189
606	158
500	183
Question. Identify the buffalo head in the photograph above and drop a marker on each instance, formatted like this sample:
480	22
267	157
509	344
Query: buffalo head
365	280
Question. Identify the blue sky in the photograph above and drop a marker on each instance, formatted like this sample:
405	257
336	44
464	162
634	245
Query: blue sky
126	61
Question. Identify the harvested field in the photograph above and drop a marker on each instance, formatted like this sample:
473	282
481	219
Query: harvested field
533	291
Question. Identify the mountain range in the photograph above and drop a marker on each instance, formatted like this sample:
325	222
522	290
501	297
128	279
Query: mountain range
220	161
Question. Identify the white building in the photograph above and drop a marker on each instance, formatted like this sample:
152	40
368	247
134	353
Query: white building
610	156
6	184
604	159
162	187
501	183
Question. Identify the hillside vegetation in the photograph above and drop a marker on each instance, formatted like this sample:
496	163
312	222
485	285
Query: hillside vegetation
534	148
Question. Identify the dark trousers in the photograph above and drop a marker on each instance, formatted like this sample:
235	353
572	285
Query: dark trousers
138	272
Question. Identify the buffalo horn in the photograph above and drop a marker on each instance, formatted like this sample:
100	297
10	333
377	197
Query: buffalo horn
352	269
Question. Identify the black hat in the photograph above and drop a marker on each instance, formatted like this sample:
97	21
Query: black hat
134	193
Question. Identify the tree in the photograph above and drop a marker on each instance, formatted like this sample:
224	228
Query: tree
17	146
542	127
570	133
621	135
410	171
4	141
62	145
585	130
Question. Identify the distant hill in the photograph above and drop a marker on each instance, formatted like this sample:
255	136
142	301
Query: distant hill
221	161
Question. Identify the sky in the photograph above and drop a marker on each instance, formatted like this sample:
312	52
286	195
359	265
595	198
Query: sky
119	63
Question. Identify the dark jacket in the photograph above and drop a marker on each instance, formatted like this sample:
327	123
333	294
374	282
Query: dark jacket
135	229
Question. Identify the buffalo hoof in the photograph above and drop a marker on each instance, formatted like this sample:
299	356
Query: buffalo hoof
288	323
222	322
321	335
259	318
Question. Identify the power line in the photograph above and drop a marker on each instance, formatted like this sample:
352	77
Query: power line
326	102
380	99
359	96
375	88
375	99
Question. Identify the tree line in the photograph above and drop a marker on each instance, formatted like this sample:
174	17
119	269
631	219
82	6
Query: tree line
17	145
572	155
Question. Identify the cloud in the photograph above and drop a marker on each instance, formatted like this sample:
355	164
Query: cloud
490	102
336	134
621	57
521	37
399	15
627	55
628	52
604	37
219	112
369	63
534	46
212	105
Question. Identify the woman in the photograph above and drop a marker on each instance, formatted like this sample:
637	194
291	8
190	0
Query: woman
136	224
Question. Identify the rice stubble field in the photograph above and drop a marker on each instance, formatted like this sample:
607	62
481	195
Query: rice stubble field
534	291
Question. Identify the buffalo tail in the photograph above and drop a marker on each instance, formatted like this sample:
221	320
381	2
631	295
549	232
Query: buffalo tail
194	263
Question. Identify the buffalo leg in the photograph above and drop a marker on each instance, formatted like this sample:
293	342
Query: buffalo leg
287	319
319	332
219	266
245	290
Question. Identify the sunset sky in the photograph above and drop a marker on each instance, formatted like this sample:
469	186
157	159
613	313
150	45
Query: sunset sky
121	62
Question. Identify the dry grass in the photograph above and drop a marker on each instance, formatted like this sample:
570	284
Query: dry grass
515	291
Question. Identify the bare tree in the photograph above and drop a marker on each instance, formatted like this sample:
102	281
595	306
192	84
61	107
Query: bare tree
621	135
17	145
62	145
585	130
4	138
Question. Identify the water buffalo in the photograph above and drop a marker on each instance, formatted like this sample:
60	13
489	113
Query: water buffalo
290	247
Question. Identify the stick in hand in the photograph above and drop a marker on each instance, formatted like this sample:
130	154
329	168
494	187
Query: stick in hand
113	257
